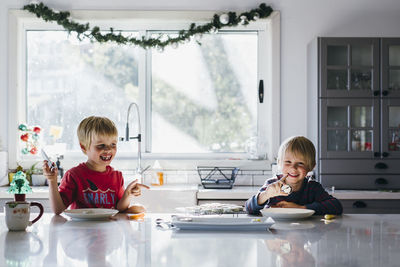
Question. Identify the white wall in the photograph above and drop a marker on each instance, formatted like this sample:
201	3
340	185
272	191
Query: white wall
302	21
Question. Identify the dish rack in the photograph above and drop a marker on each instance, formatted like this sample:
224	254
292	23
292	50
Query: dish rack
217	177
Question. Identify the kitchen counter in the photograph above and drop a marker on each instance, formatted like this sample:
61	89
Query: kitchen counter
349	240
166	198
237	192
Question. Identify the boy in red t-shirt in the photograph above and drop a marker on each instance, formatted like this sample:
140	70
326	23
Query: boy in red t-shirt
93	184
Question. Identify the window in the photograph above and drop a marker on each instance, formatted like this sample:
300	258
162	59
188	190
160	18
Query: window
197	101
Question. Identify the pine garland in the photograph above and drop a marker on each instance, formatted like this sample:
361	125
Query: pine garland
94	34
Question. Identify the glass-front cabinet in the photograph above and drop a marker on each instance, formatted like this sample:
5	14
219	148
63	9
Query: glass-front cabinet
390	74
391	127
349	67
359	112
349	129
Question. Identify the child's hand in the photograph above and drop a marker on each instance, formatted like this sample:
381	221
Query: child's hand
286	204
275	189
51	175
134	188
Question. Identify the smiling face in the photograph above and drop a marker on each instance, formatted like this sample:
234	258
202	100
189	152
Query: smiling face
101	152
294	167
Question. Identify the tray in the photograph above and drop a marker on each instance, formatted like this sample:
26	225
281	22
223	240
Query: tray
221	223
217	177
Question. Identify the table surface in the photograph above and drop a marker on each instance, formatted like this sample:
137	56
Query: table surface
349	240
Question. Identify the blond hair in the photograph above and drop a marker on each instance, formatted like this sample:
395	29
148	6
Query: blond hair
301	147
95	126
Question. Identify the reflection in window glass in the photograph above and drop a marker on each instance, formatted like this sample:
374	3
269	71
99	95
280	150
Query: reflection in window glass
337	116
337	140
337	80
203	96
394	55
394	116
361	55
361	79
68	80
361	116
394	80
337	55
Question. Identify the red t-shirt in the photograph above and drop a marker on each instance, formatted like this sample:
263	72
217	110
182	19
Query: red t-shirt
82	187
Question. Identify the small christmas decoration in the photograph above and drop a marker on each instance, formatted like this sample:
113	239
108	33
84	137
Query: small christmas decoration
224	19
19	186
30	137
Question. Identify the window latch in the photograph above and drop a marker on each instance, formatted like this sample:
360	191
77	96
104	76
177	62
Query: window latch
261	91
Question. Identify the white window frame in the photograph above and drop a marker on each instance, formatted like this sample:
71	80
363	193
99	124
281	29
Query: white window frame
268	71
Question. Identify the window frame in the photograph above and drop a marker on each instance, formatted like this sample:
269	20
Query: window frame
142	21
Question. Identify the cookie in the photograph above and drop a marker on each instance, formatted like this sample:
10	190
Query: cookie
286	189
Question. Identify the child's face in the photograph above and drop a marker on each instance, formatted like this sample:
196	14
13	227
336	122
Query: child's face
101	151
294	167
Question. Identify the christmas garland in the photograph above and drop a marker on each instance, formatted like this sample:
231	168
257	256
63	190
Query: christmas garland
84	31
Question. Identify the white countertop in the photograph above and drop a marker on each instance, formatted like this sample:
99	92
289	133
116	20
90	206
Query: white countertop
350	240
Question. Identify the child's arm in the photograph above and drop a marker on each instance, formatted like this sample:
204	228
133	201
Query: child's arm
132	190
57	204
323	202
269	190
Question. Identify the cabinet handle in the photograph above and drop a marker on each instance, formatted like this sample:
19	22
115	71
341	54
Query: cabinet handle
359	204
385	154
381	165
385	93
376	92
377	154
381	181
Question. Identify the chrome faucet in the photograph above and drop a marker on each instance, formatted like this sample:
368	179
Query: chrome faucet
139	169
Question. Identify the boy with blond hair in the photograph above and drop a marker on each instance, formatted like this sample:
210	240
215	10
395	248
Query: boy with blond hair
292	188
93	184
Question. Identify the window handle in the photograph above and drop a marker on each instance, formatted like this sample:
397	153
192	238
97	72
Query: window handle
261	91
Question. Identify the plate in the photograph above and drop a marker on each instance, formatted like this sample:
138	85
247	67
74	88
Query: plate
90	214
287	213
223	223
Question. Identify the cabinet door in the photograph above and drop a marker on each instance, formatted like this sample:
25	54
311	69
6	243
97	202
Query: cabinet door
349	67
349	128
390	128
390	52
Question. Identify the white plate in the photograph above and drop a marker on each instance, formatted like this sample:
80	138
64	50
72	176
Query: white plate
91	214
287	213
221	222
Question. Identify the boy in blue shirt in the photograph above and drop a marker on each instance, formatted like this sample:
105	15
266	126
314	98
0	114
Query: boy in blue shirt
292	188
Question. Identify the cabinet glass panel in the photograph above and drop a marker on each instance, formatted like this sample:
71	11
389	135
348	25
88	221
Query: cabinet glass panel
361	140
337	79
361	55
361	116
337	55
361	79
337	116
394	55
337	140
394	80
394	128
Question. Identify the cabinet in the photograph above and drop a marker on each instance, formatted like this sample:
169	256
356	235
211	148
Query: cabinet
359	112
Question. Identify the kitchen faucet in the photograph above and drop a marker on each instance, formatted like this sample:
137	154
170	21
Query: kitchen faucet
139	169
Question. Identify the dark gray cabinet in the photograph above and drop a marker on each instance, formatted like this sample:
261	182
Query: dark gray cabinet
359	113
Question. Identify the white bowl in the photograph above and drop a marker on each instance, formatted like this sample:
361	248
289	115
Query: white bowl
287	213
